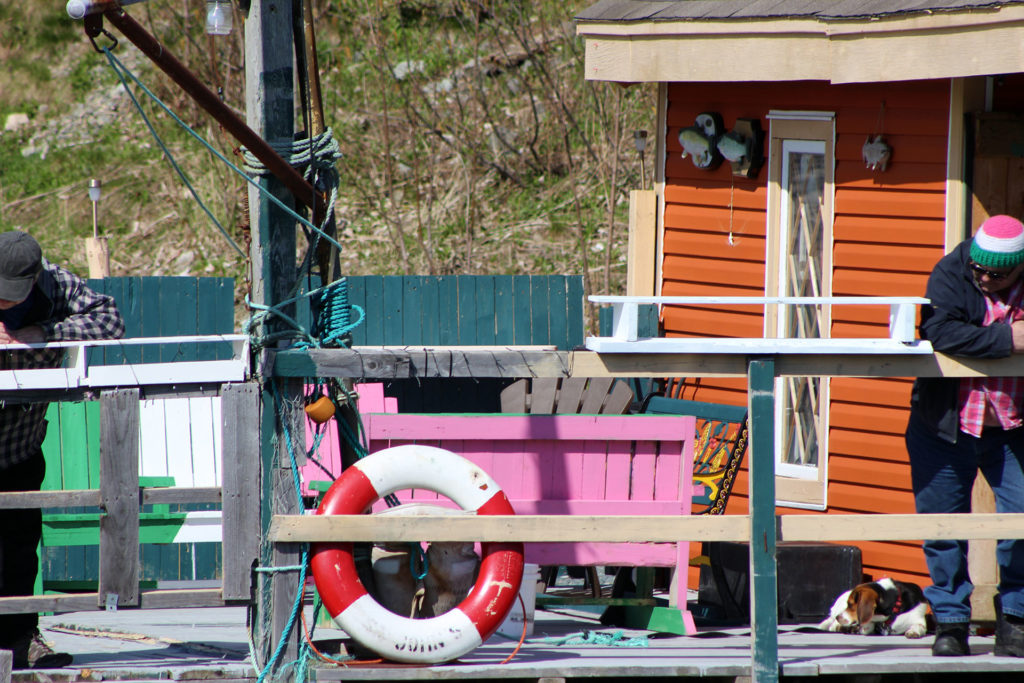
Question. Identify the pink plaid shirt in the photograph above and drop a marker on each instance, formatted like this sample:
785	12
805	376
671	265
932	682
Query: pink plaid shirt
1004	394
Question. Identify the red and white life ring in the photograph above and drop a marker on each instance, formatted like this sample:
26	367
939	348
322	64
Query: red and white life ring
464	627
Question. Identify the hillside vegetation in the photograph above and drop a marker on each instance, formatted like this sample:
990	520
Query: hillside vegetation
470	141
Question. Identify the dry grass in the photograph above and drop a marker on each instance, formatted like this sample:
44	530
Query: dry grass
471	142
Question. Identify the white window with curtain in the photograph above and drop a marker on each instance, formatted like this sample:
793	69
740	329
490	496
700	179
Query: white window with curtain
799	264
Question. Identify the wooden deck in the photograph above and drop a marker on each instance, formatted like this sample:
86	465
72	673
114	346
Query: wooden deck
211	644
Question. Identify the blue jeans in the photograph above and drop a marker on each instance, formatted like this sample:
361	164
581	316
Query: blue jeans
943	476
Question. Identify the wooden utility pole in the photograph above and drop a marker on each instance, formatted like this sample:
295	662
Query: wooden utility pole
270	104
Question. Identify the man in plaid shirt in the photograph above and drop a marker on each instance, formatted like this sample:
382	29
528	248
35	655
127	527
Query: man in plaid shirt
39	302
960	426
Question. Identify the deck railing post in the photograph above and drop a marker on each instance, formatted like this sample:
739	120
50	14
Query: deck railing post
764	615
119	498
240	438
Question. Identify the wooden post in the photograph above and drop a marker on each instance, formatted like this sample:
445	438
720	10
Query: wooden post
270	104
119	496
642	258
981	558
764	610
97	253
240	405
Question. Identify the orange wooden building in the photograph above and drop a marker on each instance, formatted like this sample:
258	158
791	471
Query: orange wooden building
888	136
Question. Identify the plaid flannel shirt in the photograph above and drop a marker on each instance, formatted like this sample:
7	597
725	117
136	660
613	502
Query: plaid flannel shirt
66	310
1003	394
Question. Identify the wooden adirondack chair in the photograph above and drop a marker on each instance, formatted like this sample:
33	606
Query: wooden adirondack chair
567	396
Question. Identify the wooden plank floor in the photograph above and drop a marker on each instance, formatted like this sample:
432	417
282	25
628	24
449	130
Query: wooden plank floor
211	644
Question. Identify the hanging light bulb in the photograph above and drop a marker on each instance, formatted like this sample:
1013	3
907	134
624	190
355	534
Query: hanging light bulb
94	197
218	17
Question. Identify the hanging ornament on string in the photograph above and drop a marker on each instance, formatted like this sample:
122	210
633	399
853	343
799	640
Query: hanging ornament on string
876	152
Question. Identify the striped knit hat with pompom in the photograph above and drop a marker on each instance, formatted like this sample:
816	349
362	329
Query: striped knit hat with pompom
999	243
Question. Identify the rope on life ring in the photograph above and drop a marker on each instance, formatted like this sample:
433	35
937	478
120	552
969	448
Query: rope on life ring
418	641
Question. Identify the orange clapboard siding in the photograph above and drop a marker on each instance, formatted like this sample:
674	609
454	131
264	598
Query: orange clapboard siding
885	392
886	230
869	497
866	417
851	470
712	323
718	194
848	282
740	273
714	246
715	221
877	447
923	149
891	257
906	176
673	288
857	330
889	202
864	101
894	560
906	122
864	315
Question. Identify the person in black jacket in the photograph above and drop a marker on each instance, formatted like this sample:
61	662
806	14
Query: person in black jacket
961	425
39	302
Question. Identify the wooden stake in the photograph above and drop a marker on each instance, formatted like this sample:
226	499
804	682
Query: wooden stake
97	253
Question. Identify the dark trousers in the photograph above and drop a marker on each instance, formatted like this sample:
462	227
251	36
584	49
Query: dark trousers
20	532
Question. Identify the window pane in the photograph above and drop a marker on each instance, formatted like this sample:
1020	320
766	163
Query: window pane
802	276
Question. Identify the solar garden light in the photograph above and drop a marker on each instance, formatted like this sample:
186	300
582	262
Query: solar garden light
97	251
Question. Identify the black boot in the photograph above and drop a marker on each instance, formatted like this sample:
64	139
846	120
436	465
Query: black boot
951	640
1009	632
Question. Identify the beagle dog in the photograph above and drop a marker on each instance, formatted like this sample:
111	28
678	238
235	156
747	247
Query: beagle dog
884	606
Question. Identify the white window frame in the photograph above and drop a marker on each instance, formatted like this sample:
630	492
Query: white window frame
798	486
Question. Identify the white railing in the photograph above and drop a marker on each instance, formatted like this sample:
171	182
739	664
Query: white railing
79	373
625	338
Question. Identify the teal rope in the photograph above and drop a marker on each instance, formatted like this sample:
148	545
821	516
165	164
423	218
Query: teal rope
334	320
297	605
597	638
114	63
320	155
266	193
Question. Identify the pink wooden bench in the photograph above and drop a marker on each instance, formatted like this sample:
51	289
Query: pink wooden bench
569	465
557	465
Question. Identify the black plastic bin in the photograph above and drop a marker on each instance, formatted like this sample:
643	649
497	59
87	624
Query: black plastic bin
810	577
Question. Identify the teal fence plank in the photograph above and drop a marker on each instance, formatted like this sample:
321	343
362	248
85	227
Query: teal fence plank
393	286
357	296
467	309
152	316
574	311
558	323
430	313
486	313
413	325
375	311
215	314
522	302
540	331
504	306
448	299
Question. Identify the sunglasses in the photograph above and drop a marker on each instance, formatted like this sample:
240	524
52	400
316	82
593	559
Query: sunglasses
992	274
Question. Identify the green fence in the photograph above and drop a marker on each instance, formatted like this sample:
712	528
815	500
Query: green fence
151	307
